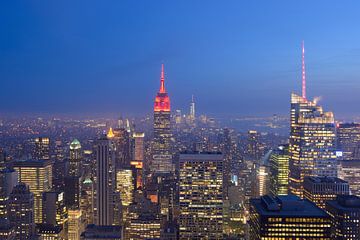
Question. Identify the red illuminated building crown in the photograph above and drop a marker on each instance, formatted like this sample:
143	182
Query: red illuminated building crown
162	100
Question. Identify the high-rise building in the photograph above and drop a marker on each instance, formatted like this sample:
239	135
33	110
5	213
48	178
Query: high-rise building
75	158
8	180
262	181
349	170
287	217
312	142
37	174
348	140
105	182
254	149
138	161
279	171
162	155
125	185
312	139
143	220
54	209
121	139
42	148
201	196
59	151
75	226
320	189
192	109
72	191
21	211
345	217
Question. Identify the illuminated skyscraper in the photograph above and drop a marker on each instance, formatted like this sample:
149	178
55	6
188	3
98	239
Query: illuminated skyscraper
75	226
321	189
348	139
254	147
192	109
105	182
42	148
201	196
312	142
21	211
37	174
162	157
125	185
120	137
287	217
279	171
75	158
138	161
312	139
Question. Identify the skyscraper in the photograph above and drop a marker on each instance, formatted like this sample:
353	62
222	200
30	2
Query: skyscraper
42	148
75	158
192	109
162	157
348	140
312	139
21	211
37	174
312	142
201	196
75	226
105	182
138	159
279	171
54	209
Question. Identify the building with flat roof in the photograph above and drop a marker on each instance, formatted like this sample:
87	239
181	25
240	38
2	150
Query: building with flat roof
345	217
349	170
96	232
37	174
320	189
287	217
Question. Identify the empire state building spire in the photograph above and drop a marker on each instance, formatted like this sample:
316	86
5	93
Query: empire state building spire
162	80
162	100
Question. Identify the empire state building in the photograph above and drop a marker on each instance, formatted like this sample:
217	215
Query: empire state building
162	158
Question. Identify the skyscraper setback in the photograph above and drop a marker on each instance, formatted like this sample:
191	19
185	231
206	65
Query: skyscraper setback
162	157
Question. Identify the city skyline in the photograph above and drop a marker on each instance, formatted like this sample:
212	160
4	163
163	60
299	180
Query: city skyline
250	65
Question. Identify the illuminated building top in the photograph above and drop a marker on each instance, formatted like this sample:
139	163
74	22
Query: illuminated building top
162	100
75	144
110	133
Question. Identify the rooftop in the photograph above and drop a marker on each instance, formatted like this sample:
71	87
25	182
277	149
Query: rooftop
287	205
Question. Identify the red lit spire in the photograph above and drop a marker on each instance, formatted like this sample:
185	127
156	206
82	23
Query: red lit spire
303	85
162	80
162	100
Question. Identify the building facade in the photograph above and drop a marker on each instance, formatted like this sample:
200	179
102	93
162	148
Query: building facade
37	174
312	142
201	196
279	171
320	189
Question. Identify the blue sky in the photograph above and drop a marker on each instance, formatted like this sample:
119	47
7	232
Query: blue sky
236	57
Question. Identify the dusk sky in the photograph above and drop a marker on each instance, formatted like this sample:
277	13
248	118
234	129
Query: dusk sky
238	58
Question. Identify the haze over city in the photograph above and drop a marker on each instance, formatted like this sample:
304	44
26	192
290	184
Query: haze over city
237	58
